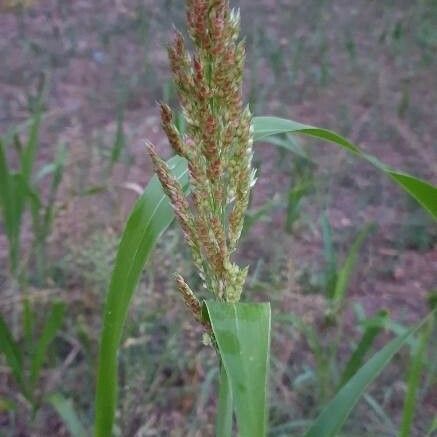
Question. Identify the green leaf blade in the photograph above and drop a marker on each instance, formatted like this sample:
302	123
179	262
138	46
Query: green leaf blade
11	351
344	274
424	192
50	330
242	332
150	217
225	404
372	329
28	154
65	408
414	376
338	409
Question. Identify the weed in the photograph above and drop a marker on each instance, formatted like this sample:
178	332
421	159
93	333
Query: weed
19	191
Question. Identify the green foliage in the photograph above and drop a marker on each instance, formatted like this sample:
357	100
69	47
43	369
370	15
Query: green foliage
26	360
242	332
414	377
372	328
225	409
12	352
424	192
334	415
150	217
64	407
48	334
342	276
19	191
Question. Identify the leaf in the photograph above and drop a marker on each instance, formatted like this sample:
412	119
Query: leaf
65	408
4	181
383	416
432	428
290	145
224	407
13	216
329	255
45	170
12	352
28	154
120	140
343	276
6	195
422	191
337	411
372	328
12	203
58	172
242	332
414	375
49	332
150	217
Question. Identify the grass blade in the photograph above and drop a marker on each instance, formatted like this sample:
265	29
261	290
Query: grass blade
120	139
5	196
65	408
12	352
432	428
28	153
12	199
372	329
290	145
7	204
330	257
150	217
242	332
422	191
381	414
50	330
338	410
343	276
414	375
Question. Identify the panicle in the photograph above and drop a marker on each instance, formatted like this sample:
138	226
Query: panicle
217	145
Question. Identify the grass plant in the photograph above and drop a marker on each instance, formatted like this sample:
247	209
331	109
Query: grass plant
214	164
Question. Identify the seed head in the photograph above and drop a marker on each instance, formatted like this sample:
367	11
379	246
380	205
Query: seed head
217	146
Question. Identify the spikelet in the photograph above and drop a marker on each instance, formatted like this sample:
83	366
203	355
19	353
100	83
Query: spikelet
217	146
189	297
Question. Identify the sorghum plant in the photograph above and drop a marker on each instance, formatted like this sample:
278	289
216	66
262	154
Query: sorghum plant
216	151
217	146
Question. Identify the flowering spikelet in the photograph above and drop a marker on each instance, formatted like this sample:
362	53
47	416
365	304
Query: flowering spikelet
217	146
189	297
171	131
174	191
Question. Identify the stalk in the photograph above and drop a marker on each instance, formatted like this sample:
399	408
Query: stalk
218	151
